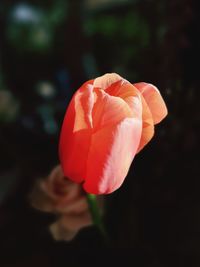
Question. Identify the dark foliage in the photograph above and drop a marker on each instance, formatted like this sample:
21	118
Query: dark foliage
154	218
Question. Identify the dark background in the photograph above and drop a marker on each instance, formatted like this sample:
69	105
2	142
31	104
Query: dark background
48	49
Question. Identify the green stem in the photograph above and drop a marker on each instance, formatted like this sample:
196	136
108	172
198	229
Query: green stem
96	216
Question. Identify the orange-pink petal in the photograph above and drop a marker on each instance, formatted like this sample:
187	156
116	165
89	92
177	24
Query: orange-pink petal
76	134
154	100
111	152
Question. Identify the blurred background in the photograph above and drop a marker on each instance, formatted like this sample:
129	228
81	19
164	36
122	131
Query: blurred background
48	48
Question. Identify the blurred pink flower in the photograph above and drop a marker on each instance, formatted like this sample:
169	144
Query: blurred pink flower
66	199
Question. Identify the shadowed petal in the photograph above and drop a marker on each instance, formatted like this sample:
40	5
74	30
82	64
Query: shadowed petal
147	125
126	91
122	88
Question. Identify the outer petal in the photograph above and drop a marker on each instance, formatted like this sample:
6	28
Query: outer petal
111	153
154	100
75	134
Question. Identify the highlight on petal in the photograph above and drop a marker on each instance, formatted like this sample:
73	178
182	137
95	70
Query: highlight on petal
154	100
83	105
106	80
111	152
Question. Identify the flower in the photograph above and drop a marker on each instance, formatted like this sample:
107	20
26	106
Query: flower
107	123
58	195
